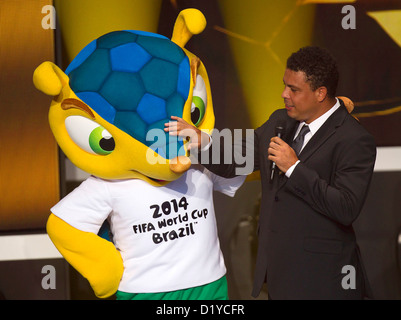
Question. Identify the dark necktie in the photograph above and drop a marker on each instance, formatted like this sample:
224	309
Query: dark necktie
299	140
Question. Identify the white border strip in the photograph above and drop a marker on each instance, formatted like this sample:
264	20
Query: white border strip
388	159
39	246
27	247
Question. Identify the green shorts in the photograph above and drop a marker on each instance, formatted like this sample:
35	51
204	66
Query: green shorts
216	290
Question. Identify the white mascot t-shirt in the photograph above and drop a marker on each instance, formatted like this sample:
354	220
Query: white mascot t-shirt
167	236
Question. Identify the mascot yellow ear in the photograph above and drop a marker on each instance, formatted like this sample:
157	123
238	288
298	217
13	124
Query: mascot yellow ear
188	23
49	78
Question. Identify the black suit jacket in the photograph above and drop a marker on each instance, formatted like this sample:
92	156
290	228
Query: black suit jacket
307	246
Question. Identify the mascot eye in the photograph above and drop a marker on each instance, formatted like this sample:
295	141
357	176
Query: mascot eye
101	141
199	101
89	135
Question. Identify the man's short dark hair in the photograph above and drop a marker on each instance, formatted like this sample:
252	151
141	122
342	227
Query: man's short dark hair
319	67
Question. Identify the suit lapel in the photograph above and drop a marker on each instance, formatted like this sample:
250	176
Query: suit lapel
324	133
320	137
290	132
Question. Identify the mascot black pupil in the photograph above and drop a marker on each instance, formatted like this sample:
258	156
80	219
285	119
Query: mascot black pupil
195	115
107	144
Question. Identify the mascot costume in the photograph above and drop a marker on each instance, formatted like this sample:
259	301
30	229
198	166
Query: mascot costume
108	114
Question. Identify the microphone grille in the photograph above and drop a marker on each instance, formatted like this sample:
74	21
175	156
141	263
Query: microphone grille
280	126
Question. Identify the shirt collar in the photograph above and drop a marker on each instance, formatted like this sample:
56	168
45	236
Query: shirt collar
317	123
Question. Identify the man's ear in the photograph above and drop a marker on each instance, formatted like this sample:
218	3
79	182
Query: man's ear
49	78
321	93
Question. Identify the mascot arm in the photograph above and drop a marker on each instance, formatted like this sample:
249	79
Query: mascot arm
95	258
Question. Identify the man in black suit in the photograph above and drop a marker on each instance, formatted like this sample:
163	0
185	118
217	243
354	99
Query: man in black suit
323	163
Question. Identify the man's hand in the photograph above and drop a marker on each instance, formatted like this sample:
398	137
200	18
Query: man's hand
195	137
282	154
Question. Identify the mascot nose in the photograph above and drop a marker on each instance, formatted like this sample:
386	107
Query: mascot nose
180	164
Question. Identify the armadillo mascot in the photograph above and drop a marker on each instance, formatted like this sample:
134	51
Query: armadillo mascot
108	113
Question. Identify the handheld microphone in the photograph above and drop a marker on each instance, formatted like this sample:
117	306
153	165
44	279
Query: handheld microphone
279	132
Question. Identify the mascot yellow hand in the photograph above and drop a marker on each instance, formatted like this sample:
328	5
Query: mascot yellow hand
97	260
